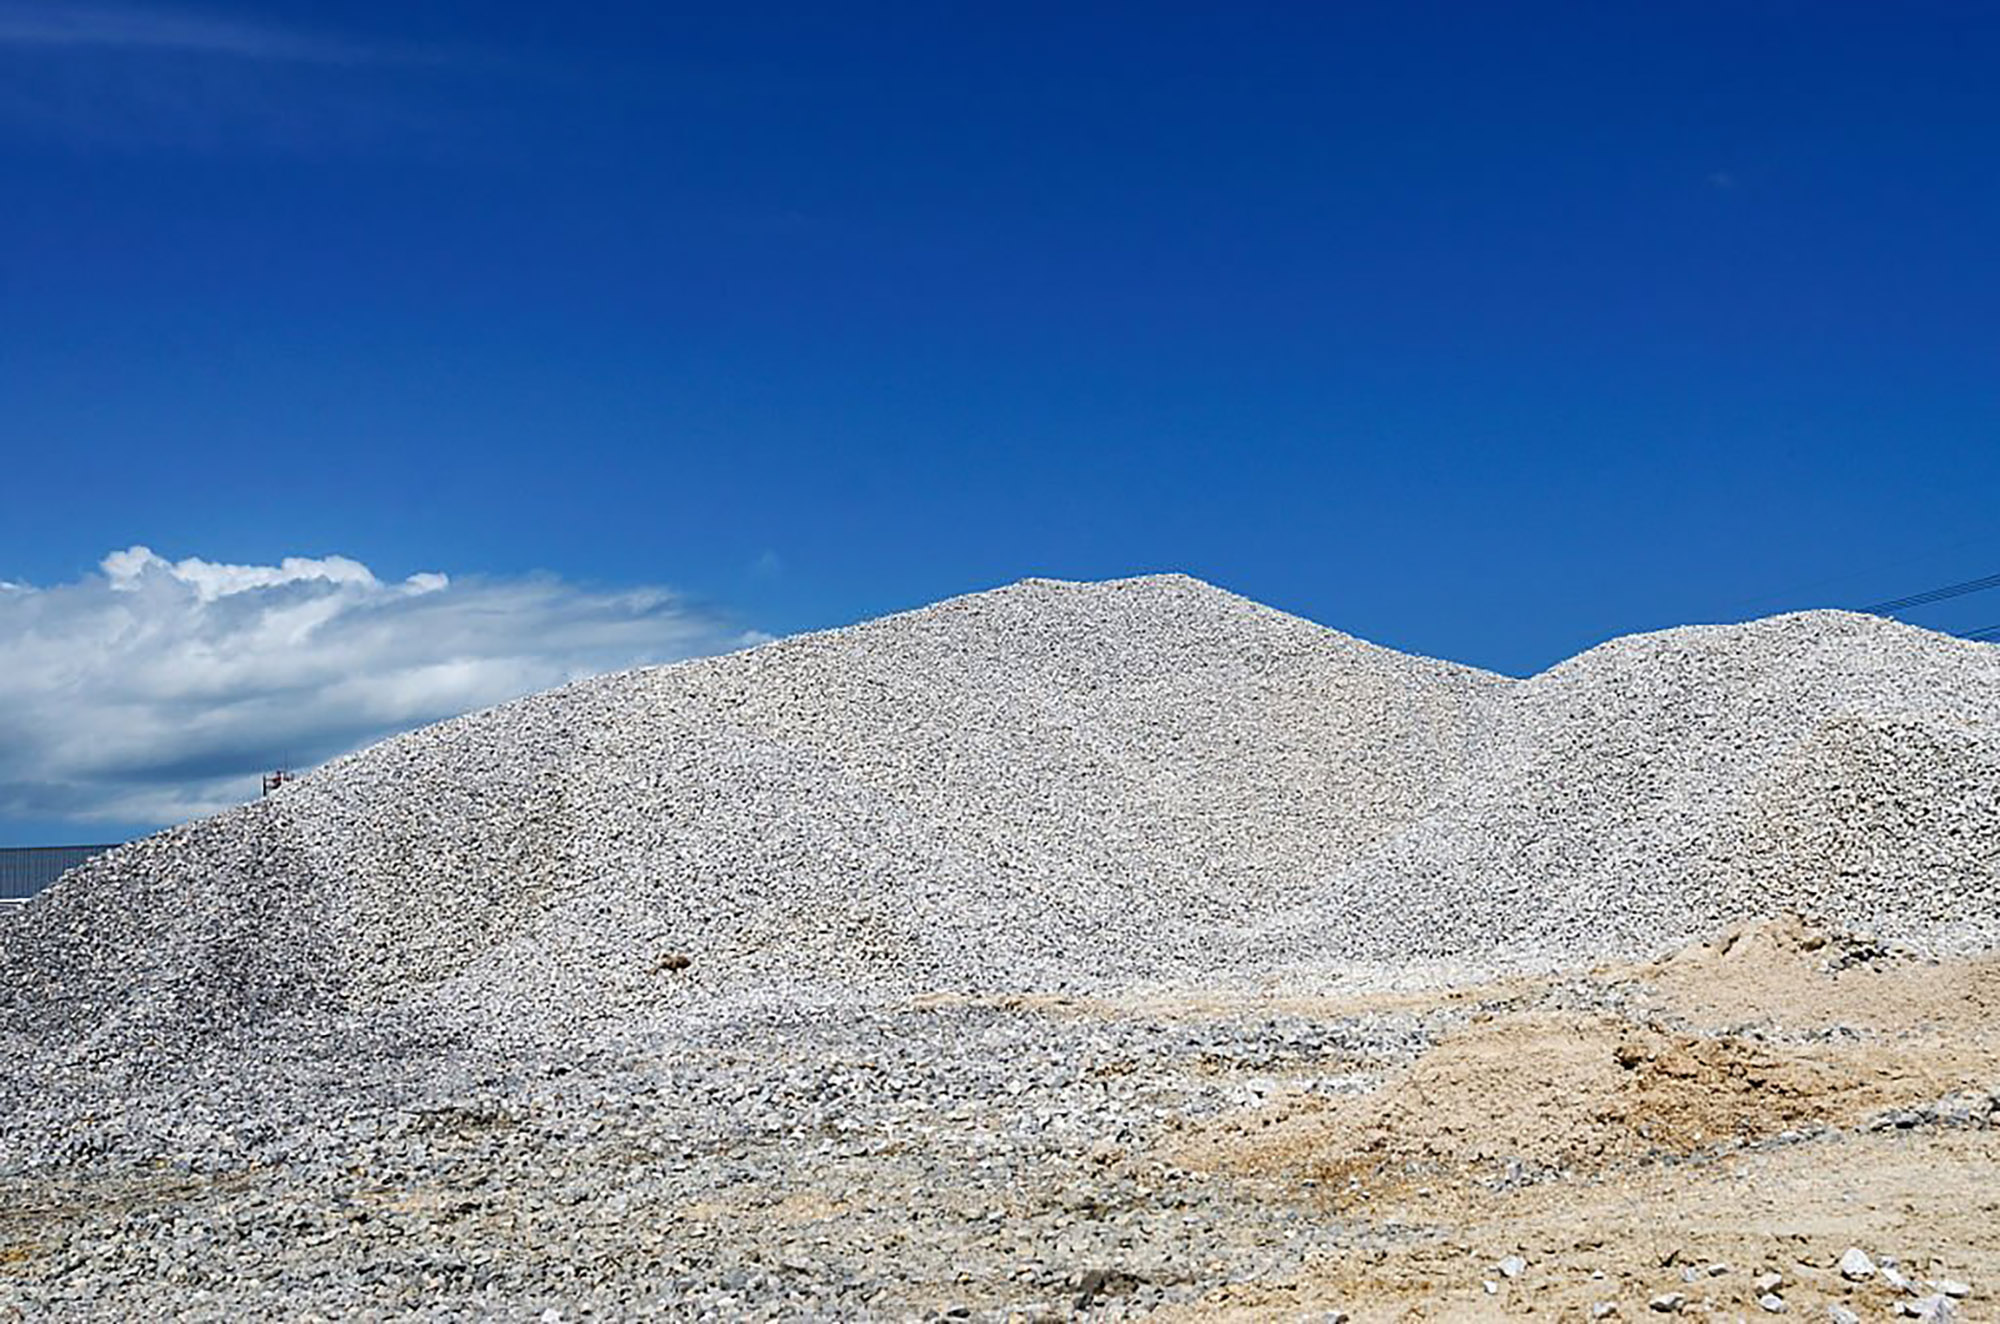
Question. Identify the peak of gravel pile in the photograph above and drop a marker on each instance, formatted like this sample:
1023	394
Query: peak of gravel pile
1047	786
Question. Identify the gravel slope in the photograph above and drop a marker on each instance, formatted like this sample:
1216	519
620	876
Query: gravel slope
1141	783
1046	784
1663	785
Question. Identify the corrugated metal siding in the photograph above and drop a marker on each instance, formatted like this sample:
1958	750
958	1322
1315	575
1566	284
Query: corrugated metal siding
26	870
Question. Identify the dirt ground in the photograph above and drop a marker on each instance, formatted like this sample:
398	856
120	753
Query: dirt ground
1709	1132
1745	1110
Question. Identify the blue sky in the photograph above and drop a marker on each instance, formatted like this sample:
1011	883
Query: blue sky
1484	331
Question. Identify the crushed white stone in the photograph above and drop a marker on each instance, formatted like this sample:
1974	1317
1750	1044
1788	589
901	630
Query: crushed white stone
1052	787
1048	786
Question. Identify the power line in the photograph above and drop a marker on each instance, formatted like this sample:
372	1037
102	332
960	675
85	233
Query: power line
1933	595
1779	599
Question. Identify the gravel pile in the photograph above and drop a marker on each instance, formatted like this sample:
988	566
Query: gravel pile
1045	786
870	970
1056	787
1661	786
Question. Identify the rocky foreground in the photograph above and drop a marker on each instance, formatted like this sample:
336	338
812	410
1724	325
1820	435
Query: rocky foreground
1778	1122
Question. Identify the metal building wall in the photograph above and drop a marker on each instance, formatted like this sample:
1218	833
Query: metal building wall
26	870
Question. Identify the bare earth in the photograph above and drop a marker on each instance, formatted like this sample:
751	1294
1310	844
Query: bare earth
1746	1110
1737	1117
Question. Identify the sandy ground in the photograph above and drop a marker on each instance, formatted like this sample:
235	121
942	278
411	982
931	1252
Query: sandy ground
1733	1115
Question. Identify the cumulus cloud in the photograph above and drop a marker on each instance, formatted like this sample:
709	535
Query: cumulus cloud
160	690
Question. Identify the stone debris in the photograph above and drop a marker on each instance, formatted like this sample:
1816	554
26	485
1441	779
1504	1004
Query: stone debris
1855	1266
736	921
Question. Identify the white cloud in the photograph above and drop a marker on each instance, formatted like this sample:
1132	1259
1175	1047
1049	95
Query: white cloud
158	690
127	571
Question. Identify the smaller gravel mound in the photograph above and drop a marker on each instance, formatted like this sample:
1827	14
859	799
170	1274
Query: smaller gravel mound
1662	786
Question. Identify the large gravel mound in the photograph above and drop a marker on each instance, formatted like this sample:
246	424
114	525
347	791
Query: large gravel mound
1052	785
1047	784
